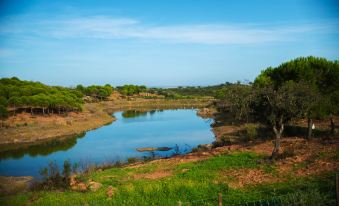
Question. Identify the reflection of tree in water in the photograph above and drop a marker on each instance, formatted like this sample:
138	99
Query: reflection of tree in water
136	113
43	149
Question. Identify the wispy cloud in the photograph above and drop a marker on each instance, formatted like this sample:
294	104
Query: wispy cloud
104	27
6	52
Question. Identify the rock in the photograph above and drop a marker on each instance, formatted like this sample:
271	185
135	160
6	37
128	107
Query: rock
94	186
110	191
80	187
72	180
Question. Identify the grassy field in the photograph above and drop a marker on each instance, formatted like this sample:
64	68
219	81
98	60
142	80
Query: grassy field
197	178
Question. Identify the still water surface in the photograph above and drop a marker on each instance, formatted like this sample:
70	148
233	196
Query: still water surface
116	141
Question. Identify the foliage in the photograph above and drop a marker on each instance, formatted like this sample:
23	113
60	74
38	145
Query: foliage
290	101
320	74
236	98
35	95
96	91
250	131
189	92
222	141
131	89
52	178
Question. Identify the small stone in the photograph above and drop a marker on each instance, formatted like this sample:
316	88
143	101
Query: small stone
94	186
110	191
80	187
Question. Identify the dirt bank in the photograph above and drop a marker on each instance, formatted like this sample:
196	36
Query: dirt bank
25	128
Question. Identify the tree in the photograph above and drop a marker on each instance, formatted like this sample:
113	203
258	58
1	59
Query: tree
318	73
3	114
237	97
276	107
14	102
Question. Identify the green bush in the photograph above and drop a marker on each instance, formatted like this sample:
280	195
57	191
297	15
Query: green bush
250	131
223	141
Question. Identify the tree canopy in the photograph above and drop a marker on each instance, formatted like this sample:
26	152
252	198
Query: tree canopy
320	74
130	89
96	91
18	94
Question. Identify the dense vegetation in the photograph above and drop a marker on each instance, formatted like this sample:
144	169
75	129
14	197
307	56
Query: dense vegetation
301	88
190	91
96	91
37	97
129	89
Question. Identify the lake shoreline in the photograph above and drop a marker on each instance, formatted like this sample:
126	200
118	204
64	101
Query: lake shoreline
25	130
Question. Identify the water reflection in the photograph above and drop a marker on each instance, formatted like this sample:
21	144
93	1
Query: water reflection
118	141
138	113
42	149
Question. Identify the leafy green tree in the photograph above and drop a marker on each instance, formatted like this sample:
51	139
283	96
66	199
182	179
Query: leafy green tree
237	98
318	73
276	107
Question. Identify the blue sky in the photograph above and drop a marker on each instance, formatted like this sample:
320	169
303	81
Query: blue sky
159	42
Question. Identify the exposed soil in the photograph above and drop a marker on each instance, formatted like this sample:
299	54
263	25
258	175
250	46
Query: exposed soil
298	157
154	175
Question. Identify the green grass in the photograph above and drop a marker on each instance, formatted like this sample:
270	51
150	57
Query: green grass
189	183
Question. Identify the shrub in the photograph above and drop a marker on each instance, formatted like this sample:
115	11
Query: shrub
201	148
52	178
132	160
223	141
250	131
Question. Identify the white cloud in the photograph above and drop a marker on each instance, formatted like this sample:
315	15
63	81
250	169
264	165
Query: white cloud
104	27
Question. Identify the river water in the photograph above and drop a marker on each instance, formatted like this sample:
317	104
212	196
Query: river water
179	129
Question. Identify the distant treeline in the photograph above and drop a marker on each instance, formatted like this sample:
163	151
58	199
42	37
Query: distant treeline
35	97
189	91
32	96
95	91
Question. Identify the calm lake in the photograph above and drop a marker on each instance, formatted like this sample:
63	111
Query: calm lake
179	129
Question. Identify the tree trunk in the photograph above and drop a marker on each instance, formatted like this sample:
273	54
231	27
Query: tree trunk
309	128
43	111
278	132
31	110
332	125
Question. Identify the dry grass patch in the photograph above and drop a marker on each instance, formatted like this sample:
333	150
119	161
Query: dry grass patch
154	175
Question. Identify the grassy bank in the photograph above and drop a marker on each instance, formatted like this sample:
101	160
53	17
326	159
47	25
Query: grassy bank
24	129
239	172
